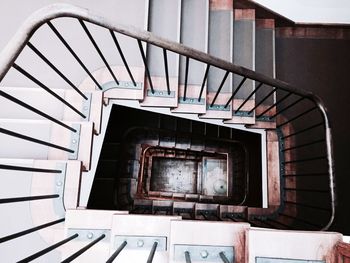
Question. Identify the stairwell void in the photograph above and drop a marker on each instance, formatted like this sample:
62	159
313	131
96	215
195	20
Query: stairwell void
149	156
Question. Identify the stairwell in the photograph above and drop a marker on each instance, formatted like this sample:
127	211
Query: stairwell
78	153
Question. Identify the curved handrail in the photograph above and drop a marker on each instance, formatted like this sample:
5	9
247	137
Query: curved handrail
44	15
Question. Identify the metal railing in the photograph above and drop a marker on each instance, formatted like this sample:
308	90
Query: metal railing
295	155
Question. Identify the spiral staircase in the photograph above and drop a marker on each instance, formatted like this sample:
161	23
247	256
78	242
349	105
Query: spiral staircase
84	147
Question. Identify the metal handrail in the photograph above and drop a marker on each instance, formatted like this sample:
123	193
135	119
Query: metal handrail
46	14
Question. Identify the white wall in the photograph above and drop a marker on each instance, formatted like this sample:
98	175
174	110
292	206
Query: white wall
311	11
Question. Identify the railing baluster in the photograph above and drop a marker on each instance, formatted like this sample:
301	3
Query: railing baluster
188	257
151	254
122	57
303	130
231	218
84	249
250	95
186	78
275	104
166	70
27	138
27	106
98	50
220	87
261	102
47	250
305	190
28	169
298	116
301	220
308	206
204	81
223	257
116	253
146	66
30	230
26	198
64	42
303	145
235	91
36	51
287	107
306	159
36	81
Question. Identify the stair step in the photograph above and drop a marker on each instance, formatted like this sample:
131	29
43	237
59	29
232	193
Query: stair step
134	13
194	18
80	142
164	21
48	104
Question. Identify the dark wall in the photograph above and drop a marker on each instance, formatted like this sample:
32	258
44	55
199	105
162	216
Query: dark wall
323	67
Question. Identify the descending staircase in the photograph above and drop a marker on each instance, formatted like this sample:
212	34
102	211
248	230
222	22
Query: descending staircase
57	144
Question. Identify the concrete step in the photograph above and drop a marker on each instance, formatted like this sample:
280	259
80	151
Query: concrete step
243	55
220	44
41	100
133	13
64	181
164	20
194	34
66	144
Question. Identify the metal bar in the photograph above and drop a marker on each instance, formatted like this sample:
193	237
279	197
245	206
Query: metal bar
303	130
26	198
64	42
250	95
146	66
27	138
27	106
204	81
84	249
306	190
287	107
223	257
28	169
301	220
151	254
47	250
186	77
308	206
220	87
122	57
98	49
36	81
166	70
296	117
260	102
116	253
303	145
236	91
36	51
205	215
306	174
30	230
275	104
306	159
188	257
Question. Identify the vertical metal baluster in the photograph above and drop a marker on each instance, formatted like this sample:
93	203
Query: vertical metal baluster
235	92
204	81
186	77
146	66
166	70
151	254
187	257
116	253
220	87
122	57
223	257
